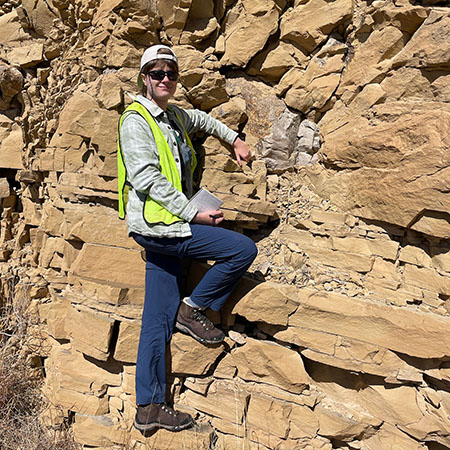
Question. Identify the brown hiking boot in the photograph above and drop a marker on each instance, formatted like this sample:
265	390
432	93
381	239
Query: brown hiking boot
192	321
159	415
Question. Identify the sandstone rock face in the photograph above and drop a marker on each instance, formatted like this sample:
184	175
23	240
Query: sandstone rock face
416	152
310	23
338	336
247	28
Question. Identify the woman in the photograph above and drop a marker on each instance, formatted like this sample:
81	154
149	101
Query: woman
156	161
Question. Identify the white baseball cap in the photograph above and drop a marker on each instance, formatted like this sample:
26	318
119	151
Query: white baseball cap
152	54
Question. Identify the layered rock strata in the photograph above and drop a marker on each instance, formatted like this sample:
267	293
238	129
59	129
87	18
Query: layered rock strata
338	337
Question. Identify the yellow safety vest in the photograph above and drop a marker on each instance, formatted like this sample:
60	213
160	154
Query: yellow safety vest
153	211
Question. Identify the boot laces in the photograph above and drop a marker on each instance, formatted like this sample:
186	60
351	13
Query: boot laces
169	410
200	317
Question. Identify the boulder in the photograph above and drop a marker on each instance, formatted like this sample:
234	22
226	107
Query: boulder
201	23
371	60
187	356
121	53
308	24
96	343
209	92
110	92
233	401
11	30
425	48
400	181
265	413
268	362
27	56
272	63
231	113
401	330
253	22
342	426
313	88
77	373
174	15
127	342
11	81
94	225
97	431
41	15
113	264
268	302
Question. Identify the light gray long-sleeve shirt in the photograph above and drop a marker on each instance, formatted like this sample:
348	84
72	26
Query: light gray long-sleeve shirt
143	170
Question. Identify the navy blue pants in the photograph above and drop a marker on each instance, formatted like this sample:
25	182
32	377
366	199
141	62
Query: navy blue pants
233	254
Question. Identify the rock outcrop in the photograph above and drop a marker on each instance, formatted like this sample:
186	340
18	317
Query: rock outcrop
338	337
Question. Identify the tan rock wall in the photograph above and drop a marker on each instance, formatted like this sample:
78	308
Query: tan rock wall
338	337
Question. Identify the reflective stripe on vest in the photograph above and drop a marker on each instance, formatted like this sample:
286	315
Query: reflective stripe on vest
153	212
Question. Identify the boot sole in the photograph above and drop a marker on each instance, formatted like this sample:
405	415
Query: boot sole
186	330
153	426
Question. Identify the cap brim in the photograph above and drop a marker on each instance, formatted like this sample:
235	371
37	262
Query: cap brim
150	55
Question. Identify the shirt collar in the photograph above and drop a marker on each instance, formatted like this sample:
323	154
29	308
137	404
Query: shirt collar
152	107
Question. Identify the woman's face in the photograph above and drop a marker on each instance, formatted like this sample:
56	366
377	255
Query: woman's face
160	91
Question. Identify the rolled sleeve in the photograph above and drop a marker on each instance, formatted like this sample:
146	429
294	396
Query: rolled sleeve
195	120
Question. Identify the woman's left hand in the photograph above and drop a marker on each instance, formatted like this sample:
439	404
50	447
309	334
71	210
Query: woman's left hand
241	151
209	217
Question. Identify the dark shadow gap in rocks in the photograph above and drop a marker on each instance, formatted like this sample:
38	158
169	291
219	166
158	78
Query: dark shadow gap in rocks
322	373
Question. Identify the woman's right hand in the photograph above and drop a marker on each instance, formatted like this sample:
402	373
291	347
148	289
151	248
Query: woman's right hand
209	217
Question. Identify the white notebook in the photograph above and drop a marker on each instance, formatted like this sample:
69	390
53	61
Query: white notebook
205	201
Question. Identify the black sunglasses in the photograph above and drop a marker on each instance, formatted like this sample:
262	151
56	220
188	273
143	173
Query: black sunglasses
160	74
